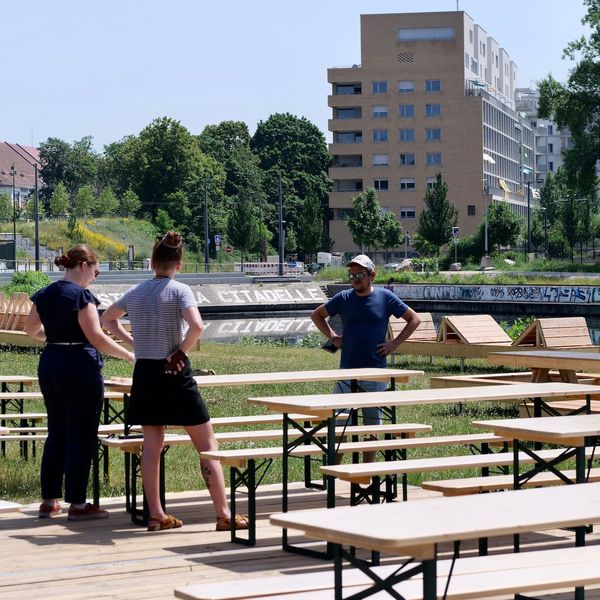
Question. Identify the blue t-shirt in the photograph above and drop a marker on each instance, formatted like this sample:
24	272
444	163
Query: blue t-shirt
58	305
364	324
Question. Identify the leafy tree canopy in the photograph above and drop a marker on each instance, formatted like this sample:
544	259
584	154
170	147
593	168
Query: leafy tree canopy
366	221
438	217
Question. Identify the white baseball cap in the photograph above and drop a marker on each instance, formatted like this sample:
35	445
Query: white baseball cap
363	260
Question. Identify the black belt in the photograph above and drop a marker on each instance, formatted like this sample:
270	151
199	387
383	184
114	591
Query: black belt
65	343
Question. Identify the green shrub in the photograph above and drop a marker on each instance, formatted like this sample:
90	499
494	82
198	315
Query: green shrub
518	327
27	281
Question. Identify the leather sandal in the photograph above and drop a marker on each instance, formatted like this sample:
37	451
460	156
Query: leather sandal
169	522
240	522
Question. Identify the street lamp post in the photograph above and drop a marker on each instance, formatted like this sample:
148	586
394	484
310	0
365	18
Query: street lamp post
528	216
206	240
407	240
36	221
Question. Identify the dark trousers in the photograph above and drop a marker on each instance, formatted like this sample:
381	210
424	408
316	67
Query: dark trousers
71	383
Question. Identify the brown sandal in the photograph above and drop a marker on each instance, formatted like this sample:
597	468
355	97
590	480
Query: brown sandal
240	522
169	522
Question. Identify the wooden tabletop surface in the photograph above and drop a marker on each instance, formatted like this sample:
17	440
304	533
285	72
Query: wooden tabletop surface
547	359
570	429
324	404
24	379
415	527
373	374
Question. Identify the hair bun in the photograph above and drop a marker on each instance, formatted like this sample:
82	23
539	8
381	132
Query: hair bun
172	239
61	261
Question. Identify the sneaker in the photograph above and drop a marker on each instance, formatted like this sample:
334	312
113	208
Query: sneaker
88	513
49	511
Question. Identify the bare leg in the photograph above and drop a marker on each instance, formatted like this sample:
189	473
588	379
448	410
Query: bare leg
204	439
153	444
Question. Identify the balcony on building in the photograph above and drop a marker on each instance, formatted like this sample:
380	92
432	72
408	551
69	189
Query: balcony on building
346	137
347	185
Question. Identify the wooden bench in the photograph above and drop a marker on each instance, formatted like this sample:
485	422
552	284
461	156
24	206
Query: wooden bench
445	381
132	447
494	483
244	468
472	577
6	507
14	311
370	474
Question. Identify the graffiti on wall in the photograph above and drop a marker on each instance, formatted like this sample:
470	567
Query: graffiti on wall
569	294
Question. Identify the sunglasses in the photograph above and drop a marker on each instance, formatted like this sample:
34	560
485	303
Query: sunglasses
358	276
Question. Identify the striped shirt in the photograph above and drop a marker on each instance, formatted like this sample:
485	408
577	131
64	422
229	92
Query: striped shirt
154	308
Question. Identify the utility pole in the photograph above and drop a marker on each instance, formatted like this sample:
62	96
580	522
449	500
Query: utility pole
281	233
206	240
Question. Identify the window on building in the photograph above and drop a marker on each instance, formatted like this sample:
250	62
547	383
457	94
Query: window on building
433	85
470	36
408	212
433	110
407	159
550	130
345	213
433	158
407	184
406	135
433	134
348	185
379	87
474	66
471	210
483	49
380	112
406	110
496	61
421	34
430	182
381	185
381	160
406	86
380	135
550	148
550	166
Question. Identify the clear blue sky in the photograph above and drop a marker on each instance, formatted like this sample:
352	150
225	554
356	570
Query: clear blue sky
73	68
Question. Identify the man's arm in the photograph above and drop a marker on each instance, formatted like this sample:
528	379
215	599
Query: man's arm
412	322
320	318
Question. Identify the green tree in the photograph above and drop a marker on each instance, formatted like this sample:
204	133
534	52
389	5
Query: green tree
5	207
391	232
504	226
366	220
84	201
129	204
74	231
438	217
29	210
74	164
291	239
163	221
293	149
59	201
106	204
576	105
310	234
243	227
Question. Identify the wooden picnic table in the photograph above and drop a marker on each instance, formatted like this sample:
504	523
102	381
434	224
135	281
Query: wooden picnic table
415	528
328	406
574	432
123	384
542	361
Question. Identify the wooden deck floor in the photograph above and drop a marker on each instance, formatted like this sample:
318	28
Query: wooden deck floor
114	559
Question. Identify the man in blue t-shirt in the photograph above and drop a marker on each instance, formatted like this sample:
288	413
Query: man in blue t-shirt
365	311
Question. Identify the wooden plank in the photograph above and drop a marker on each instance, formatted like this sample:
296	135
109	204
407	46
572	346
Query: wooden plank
476	485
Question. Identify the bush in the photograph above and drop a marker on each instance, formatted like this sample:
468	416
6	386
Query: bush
27	281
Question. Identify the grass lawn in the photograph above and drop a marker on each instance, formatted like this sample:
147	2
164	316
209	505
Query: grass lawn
19	479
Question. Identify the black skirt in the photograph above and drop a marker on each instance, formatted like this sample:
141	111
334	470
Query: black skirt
161	399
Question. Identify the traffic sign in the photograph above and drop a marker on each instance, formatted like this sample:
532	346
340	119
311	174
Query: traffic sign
228	249
217	240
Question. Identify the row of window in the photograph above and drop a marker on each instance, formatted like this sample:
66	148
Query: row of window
406	184
406	86
431	134
407	159
381	111
404	212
